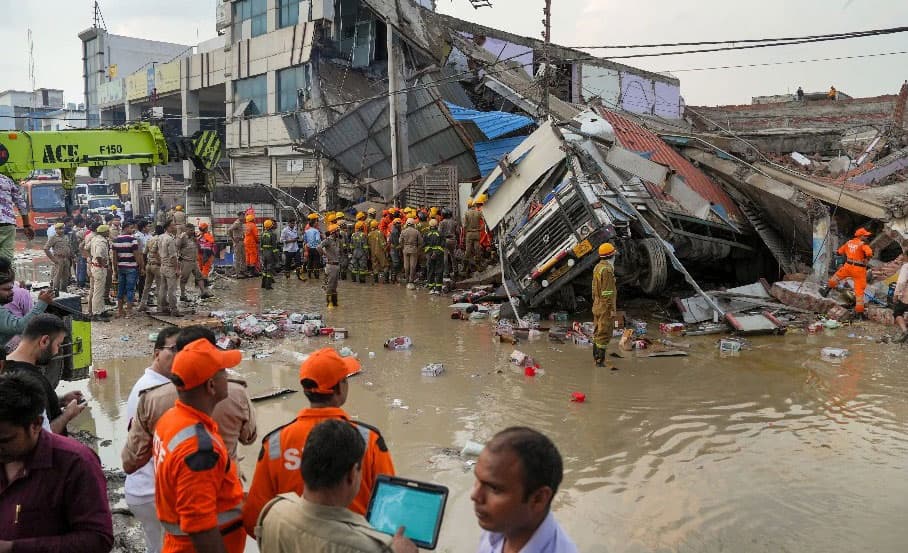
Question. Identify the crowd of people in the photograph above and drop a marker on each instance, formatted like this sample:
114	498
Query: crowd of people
120	261
412	246
312	482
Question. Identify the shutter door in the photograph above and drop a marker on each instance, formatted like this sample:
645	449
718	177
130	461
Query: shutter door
298	171
250	170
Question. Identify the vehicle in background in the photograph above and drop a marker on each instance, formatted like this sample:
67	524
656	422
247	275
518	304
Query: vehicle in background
46	199
84	191
102	204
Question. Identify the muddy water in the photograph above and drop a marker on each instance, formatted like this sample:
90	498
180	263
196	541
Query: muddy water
771	450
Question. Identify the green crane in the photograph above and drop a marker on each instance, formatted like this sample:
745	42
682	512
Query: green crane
142	144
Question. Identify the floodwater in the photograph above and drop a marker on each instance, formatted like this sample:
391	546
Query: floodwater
770	450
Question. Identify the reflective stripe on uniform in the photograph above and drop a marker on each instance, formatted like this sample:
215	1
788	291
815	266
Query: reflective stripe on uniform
223	518
274	447
181	437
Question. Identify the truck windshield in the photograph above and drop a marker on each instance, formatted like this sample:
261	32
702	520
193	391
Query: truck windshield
102	203
48	197
98	189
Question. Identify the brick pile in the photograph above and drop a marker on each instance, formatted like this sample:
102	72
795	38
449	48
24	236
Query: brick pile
806	295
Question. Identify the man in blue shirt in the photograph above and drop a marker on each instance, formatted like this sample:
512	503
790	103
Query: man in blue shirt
517	475
313	238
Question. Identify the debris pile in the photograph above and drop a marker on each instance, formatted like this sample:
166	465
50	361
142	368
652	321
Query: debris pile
237	325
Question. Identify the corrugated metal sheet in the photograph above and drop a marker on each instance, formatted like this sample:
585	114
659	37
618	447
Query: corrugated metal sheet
634	137
488	154
360	140
493	124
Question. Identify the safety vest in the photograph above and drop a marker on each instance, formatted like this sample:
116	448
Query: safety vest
278	468
197	487
856	251
267	242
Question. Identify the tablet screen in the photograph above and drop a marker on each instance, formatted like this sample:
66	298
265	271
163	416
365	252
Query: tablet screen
419	508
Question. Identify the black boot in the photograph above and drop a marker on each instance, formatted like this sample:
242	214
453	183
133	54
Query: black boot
334	299
824	291
599	355
374	278
264	282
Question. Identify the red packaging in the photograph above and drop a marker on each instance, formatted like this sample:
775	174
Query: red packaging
578	397
326	331
529	371
101	373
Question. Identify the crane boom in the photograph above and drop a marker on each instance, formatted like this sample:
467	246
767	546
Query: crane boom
143	144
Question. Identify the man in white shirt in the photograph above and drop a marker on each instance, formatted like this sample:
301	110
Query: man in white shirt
140	484
900	303
291	247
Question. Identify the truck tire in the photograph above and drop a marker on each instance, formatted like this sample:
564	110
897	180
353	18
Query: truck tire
654	266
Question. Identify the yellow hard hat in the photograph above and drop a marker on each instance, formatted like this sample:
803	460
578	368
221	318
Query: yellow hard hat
340	215
313	216
470	202
250	218
114	208
268	223
433	212
330	218
360	216
606	249
179	208
359	225
371	211
374	224
397	221
481	199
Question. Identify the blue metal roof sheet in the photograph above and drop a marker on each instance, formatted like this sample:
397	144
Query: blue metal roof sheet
488	154
493	124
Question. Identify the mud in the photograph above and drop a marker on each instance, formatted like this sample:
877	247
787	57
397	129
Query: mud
772	449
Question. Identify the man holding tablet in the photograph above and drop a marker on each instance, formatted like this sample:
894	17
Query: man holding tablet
517	475
332	470
323	376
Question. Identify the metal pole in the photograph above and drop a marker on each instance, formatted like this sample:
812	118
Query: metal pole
392	110
547	35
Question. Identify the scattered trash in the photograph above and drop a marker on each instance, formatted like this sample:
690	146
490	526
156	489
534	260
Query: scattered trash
729	345
398	404
100	373
639	328
671	328
816	327
262	355
371	355
347	352
398	343
340	334
272	394
152	336
831	324
125	338
529	371
578	397
517	357
223	343
478	315
471	449
834	353
433	369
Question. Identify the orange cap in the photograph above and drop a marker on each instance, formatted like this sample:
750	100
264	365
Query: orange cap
326	368
862	232
200	361
203	226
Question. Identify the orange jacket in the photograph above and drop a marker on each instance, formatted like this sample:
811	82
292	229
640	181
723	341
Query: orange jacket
196	485
278	468
856	250
251	235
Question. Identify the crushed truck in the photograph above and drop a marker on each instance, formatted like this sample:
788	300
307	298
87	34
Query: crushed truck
567	188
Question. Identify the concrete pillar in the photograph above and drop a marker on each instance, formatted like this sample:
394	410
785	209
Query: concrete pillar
822	248
133	114
189	104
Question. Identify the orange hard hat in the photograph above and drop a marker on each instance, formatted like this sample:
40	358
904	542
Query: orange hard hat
326	368
374	223
332	228
606	249
250	218
203	226
862	233
268	223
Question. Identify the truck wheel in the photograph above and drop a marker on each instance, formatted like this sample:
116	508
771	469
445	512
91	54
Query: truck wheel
654	266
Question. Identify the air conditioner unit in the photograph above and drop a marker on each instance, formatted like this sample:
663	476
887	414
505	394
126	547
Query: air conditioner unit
222	18
322	10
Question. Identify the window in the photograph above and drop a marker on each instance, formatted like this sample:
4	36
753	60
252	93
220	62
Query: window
289	82
254	10
254	90
48	198
288	13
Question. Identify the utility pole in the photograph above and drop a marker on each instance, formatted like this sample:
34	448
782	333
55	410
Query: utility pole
392	110
32	80
547	36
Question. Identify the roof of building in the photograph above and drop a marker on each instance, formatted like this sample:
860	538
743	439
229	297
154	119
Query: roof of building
638	139
493	124
488	154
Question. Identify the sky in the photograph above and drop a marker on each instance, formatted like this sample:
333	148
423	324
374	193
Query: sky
56	24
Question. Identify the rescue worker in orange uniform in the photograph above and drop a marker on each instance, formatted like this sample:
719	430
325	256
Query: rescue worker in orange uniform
207	247
857	253
251	244
198	495
323	377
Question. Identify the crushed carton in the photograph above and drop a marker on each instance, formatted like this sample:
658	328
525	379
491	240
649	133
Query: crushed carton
399	343
433	369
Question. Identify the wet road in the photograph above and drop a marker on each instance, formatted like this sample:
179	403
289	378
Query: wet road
772	450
